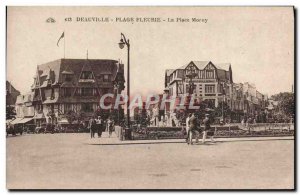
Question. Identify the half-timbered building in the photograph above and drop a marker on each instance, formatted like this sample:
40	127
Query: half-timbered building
73	85
203	79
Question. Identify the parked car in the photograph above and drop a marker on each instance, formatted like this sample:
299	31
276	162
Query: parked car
41	129
30	128
14	129
50	128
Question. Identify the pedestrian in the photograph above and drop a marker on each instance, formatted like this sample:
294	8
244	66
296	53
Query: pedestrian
92	126
99	122
109	126
193	129
207	129
187	127
248	122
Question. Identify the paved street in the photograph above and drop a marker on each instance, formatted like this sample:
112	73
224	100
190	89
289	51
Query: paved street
76	161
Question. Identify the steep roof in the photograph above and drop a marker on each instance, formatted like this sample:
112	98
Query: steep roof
200	64
11	94
169	71
223	66
53	70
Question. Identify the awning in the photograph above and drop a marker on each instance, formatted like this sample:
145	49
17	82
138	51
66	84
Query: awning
16	121
25	120
9	120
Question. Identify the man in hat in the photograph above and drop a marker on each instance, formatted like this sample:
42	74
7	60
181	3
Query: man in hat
99	122
92	126
193	129
187	126
207	128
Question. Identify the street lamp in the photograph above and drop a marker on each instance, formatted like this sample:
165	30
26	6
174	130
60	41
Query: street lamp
223	100
122	43
191	74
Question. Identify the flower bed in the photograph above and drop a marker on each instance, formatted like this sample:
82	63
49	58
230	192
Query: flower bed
153	133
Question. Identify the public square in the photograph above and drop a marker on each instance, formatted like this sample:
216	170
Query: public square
75	161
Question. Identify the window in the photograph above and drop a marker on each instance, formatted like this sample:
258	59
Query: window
87	107
100	78
68	107
86	75
209	74
202	74
209	88
95	92
171	91
68	77
180	88
87	91
106	78
67	92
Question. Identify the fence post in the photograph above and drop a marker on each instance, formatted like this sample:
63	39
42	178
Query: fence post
265	128
249	129
215	131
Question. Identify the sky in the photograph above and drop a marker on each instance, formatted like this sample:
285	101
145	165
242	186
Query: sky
258	42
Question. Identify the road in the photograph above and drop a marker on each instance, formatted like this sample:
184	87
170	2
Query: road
70	161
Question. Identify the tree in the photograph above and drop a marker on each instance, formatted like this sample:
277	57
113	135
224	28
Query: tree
286	103
71	116
225	108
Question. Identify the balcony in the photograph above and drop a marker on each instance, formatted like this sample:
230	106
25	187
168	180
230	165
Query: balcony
86	81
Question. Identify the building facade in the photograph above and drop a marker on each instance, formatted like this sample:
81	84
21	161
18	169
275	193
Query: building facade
11	94
203	79
11	97
207	81
69	87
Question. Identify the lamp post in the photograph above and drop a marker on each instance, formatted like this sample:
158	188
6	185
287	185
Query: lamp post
191	74
122	43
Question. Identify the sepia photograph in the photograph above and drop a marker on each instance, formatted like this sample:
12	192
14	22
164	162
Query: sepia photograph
150	98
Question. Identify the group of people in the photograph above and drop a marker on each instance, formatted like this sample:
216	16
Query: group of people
97	124
193	127
247	121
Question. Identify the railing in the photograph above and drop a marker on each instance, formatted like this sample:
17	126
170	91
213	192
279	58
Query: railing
119	132
228	130
268	126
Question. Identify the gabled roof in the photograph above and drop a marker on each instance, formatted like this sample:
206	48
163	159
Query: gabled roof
223	66
200	64
76	66
169	71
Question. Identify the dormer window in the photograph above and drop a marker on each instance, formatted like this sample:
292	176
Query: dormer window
86	75
106	78
68	75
